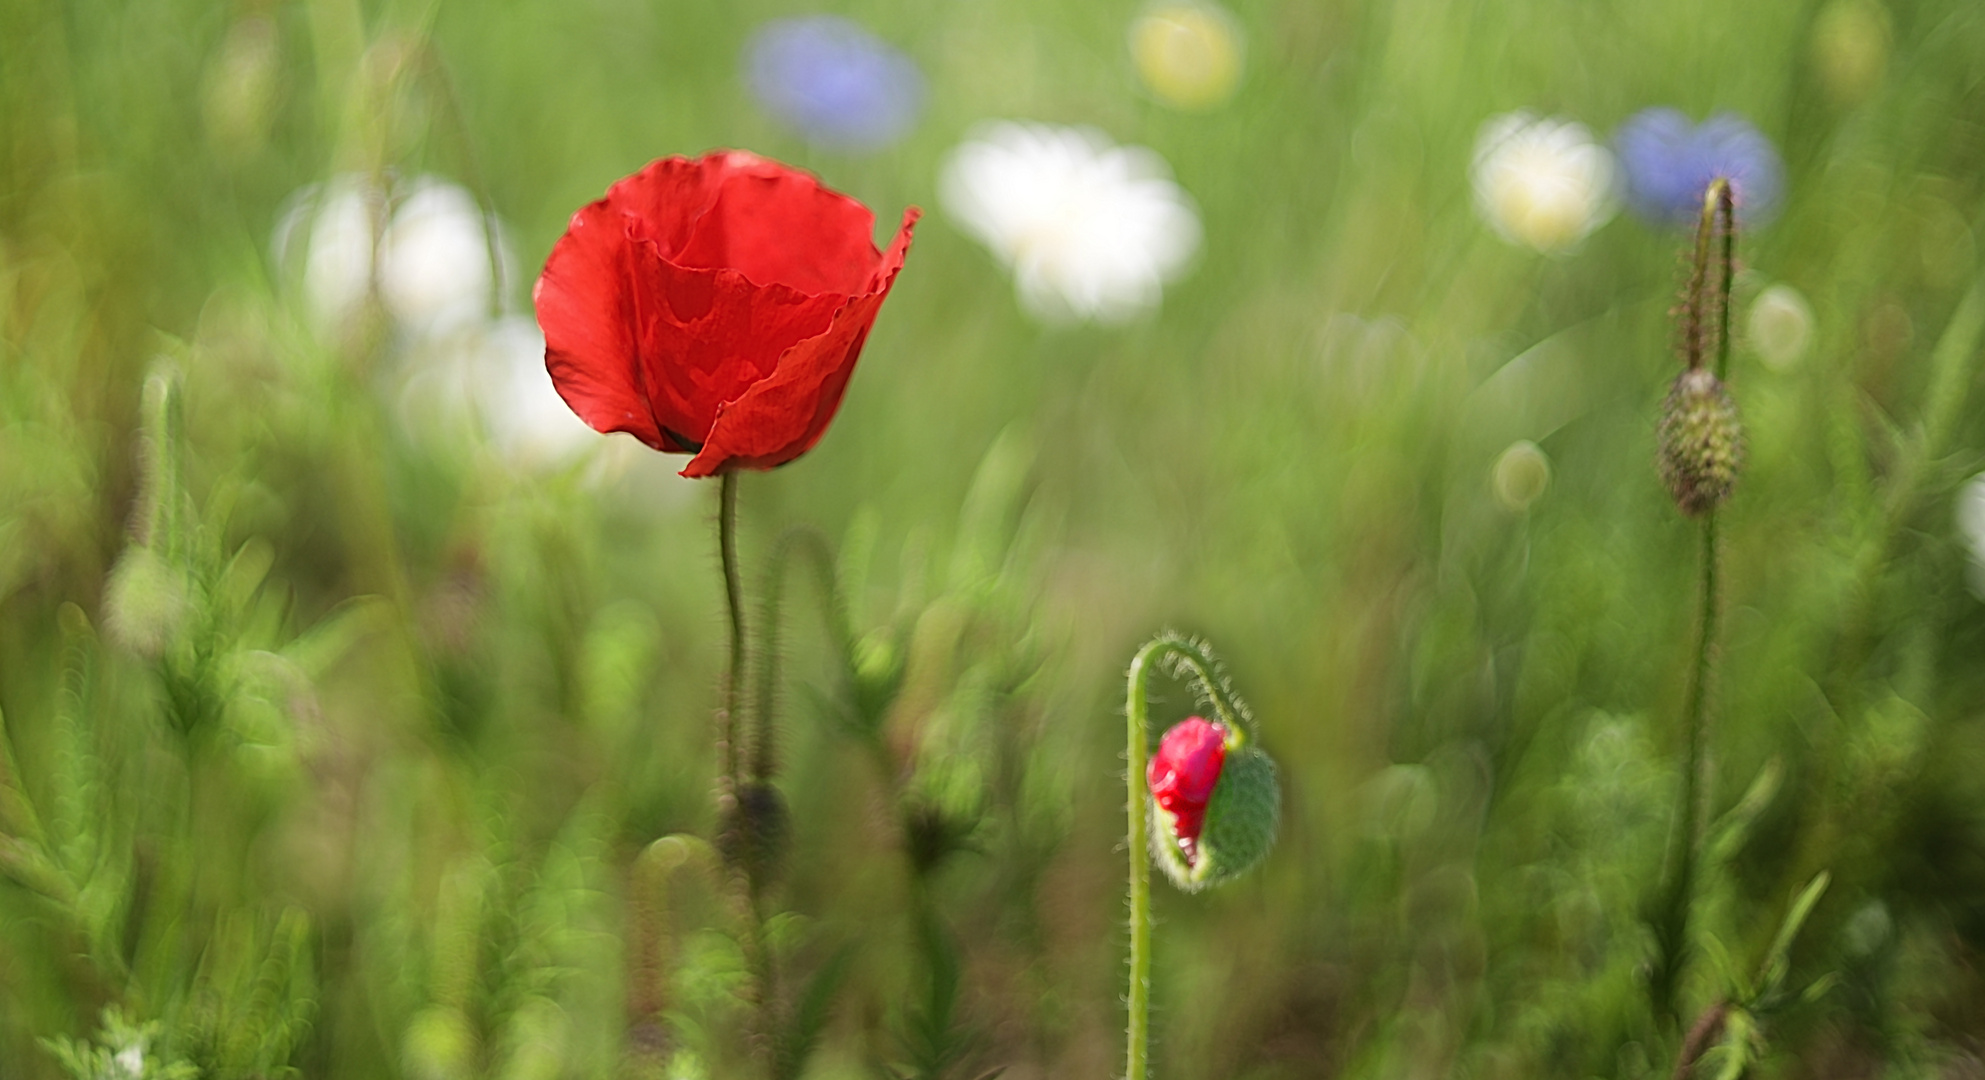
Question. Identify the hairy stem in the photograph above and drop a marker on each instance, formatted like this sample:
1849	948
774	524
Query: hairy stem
1722	213
1683	844
1702	1035
1139	998
760	992
727	723
1176	655
1718	223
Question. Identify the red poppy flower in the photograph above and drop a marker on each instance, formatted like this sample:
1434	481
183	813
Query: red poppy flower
714	307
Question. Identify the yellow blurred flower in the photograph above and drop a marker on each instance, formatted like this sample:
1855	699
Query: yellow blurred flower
1188	54
1780	327
1520	475
1850	47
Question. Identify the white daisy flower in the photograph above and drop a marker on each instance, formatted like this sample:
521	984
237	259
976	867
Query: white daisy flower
520	408
488	381
331	227
1543	183
426	245
1091	230
435	267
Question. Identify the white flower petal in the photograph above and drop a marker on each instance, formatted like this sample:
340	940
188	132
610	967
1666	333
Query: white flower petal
328	227
1543	183
429	257
1090	230
434	259
520	408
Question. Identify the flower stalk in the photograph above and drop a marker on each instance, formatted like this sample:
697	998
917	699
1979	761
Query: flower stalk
727	722
737	796
1701	449
1181	657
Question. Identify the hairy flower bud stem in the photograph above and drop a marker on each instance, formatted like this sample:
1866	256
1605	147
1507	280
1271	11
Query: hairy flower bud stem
1251	816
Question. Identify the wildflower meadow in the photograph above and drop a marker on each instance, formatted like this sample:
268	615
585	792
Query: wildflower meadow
1255	539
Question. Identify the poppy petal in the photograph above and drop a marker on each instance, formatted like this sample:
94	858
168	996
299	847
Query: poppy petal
781	416
727	285
704	336
585	308
779	226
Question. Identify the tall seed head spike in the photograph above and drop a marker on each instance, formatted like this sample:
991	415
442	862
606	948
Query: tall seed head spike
1701	442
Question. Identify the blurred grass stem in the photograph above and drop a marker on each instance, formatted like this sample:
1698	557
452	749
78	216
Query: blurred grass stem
812	549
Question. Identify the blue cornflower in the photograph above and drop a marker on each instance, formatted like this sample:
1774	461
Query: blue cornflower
1669	163
833	81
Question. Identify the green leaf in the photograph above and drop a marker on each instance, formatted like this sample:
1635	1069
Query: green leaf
1777	961
1819	987
1726	967
1728	834
326	643
798	1041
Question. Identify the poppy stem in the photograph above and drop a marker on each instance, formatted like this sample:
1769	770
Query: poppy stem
731	814
1178	656
727	726
1137	714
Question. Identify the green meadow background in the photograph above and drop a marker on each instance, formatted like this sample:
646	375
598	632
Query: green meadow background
381	810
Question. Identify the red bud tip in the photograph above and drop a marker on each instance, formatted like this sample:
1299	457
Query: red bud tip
1181	776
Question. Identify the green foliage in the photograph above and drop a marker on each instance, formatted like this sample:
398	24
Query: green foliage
335	733
120	1051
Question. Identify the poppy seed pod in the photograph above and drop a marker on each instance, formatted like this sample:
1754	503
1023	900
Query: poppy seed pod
1216	804
1701	442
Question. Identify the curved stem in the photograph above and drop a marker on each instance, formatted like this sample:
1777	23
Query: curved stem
1176	655
1139	998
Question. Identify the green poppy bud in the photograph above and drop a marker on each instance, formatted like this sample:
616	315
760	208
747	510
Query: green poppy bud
1215	807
